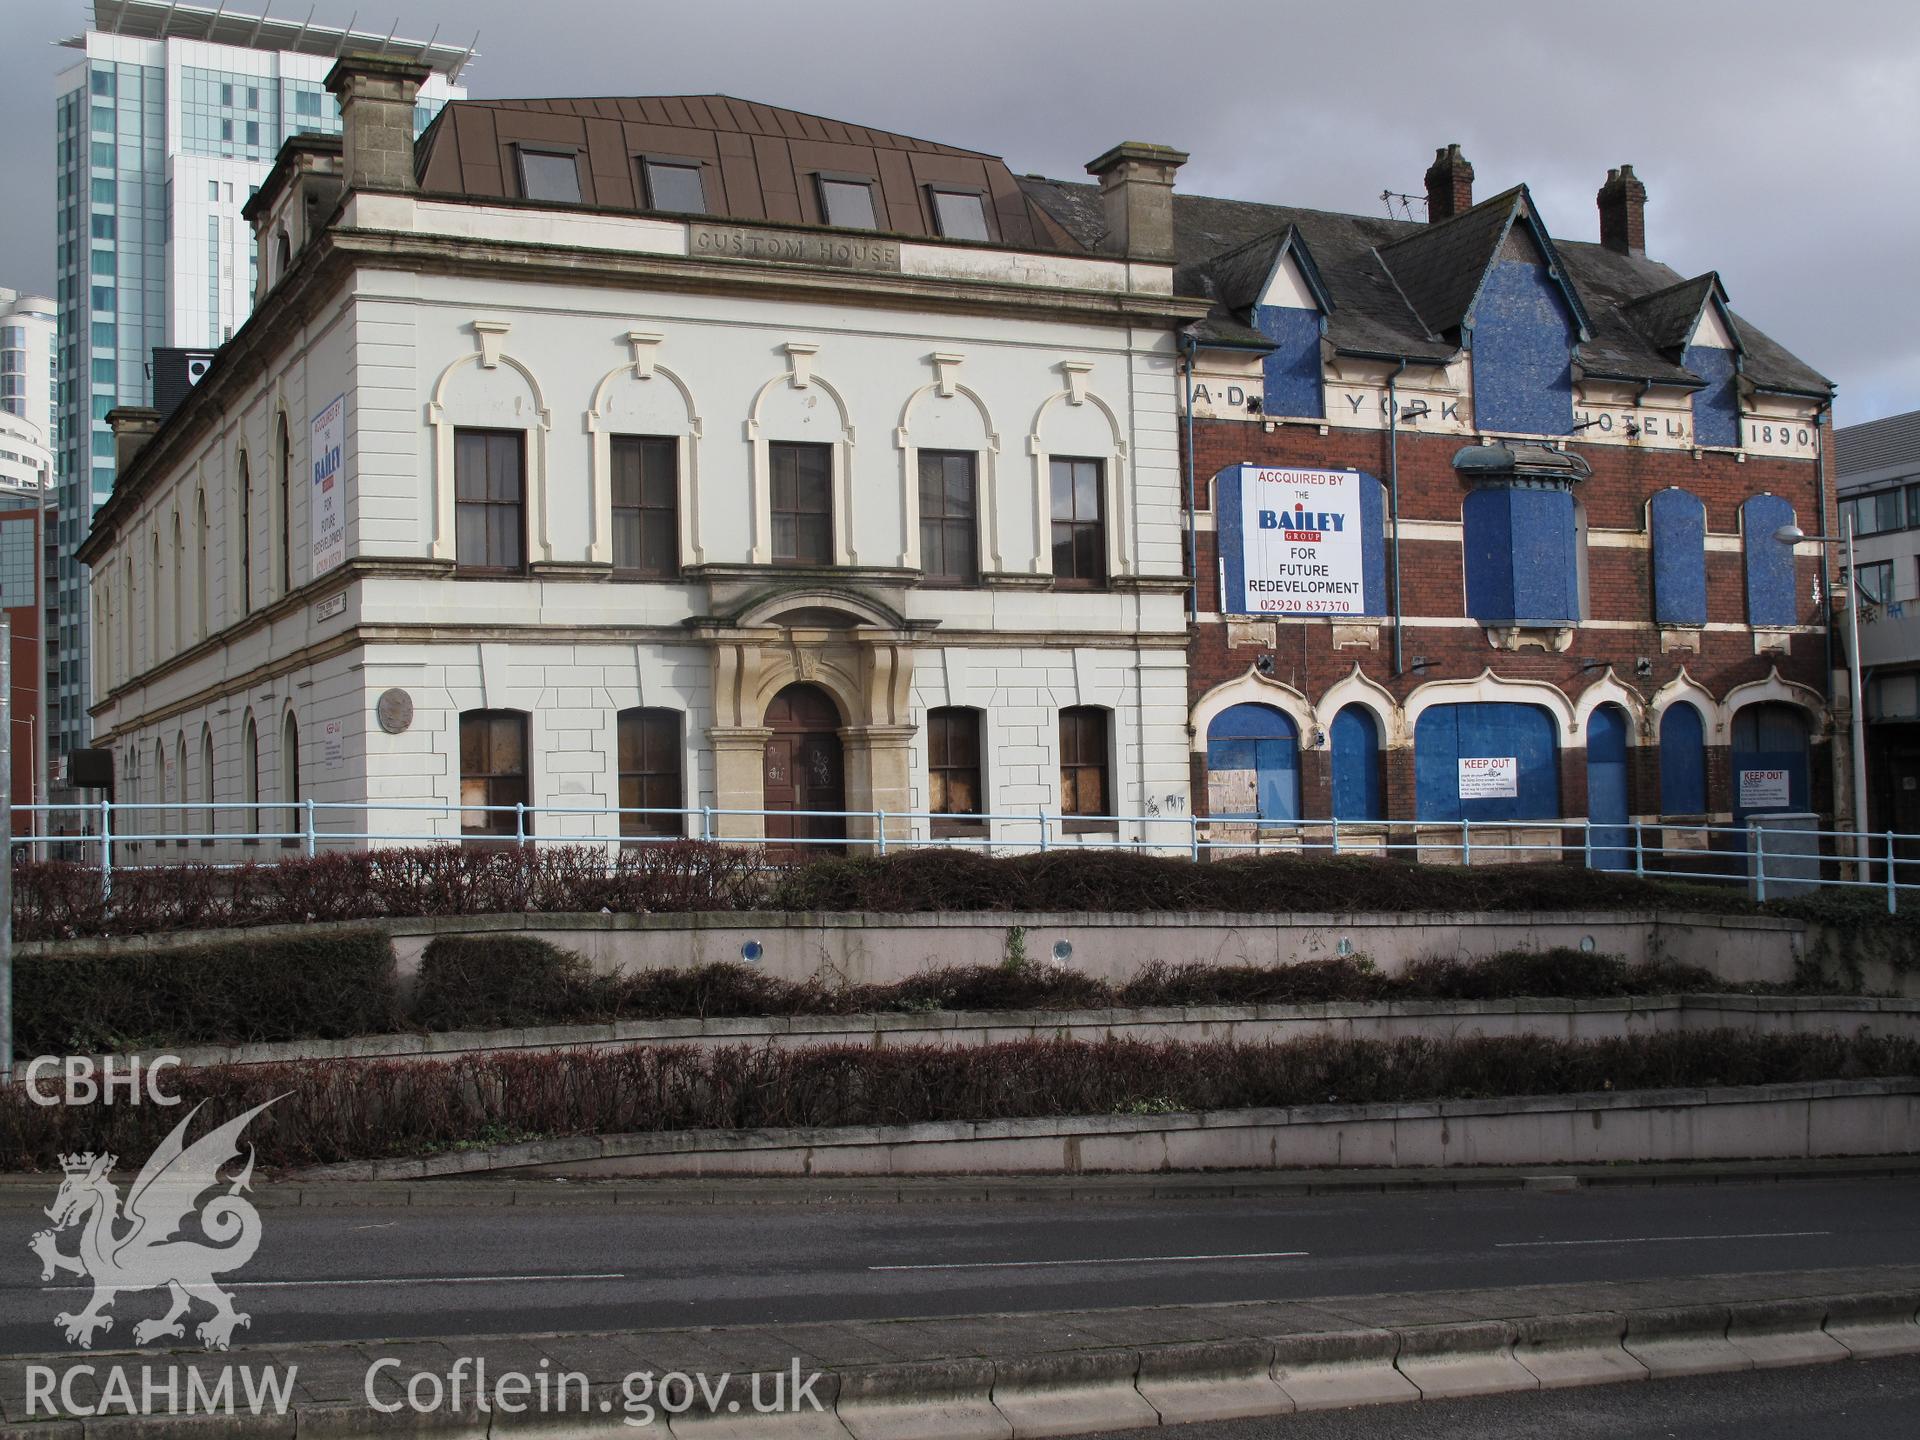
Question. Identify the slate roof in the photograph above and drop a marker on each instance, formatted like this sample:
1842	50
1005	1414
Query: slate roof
1398	286
1668	317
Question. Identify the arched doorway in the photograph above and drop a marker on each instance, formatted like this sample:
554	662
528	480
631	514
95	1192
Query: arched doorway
1356	765
804	770
1607	801
1253	765
1770	769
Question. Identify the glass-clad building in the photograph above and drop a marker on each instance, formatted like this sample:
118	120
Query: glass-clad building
163	131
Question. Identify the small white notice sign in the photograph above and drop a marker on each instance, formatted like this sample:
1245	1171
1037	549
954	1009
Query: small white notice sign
333	743
1763	790
1491	777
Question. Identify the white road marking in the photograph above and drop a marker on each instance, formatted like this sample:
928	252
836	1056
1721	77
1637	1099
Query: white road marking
397	1280
1662	1239
1115	1260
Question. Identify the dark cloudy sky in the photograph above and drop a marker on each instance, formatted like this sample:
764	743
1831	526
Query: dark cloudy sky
1778	141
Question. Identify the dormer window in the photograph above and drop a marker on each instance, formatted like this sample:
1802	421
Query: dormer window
960	214
847	201
549	175
674	185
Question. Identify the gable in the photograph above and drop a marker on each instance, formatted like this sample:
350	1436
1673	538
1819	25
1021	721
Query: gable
1287	287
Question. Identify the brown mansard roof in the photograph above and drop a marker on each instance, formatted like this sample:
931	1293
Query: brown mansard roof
757	162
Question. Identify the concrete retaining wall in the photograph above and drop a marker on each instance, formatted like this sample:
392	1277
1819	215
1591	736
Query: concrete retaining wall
1797	1121
1396	1020
880	949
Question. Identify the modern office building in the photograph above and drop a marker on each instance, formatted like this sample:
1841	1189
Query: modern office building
27	358
166	124
1878	464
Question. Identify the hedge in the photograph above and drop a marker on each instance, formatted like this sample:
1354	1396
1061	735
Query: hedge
475	982
327	985
348	1110
57	900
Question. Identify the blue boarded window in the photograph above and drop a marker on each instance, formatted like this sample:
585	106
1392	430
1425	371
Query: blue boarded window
1769	561
1716	408
1683	761
1677	520
1357	791
1447	734
1522	556
1291	370
1253	765
1523	339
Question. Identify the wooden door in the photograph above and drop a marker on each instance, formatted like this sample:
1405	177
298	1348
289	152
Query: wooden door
804	771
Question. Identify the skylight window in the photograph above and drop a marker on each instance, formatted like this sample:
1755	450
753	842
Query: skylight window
847	203
675	185
960	214
549	175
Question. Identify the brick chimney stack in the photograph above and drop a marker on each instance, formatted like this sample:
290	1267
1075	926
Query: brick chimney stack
1449	185
1623	212
376	119
1136	190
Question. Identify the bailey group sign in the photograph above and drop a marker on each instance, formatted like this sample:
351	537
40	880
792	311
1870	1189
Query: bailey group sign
1299	542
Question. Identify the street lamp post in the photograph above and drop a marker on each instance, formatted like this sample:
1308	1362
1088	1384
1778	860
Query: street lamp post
1793	535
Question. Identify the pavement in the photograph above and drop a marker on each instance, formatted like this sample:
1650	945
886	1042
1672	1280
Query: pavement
989	1377
376	1270
1873	1400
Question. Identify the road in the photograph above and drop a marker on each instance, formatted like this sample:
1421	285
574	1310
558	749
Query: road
1854	1400
352	1273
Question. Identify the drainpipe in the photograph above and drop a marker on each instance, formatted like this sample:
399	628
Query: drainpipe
1393	500
1826	575
1189	347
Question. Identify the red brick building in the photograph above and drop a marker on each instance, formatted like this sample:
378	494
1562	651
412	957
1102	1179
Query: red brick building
1487	526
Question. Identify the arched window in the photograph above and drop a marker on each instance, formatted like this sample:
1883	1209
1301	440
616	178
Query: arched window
291	825
156	611
494	772
1358	793
650	764
283	553
183	813
176	592
1677	520
202	577
1253	765
206	827
250	781
155	822
128	600
245	537
1769	561
1683	761
1486	761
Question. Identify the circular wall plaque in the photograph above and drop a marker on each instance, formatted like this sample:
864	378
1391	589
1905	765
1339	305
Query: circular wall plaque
395	709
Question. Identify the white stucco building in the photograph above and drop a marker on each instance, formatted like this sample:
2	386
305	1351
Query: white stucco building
670	453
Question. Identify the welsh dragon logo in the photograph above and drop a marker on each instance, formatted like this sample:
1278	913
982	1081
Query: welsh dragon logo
138	1248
